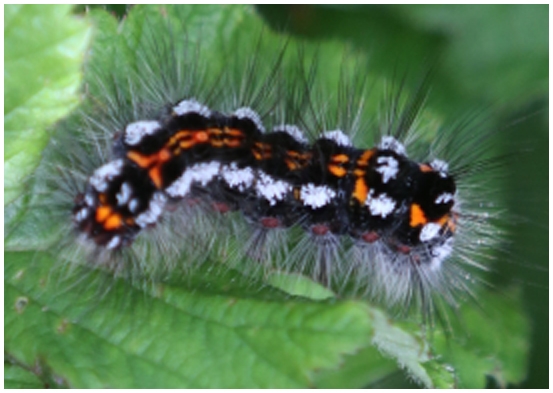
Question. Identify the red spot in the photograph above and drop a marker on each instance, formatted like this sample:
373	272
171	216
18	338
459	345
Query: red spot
416	259
319	229
370	237
221	207
270	222
192	201
402	248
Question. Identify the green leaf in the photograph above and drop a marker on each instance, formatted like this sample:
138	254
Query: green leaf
511	69
18	378
44	49
493	343
175	337
299	285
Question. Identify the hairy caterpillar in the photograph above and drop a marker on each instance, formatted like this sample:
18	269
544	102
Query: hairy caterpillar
368	217
381	269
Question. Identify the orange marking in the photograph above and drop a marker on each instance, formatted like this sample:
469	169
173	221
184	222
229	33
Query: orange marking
364	158
336	170
155	176
292	165
335	167
295	160
449	220
263	146
417	216
103	199
452	222
102	213
293	154
154	162
443	220
297	194
113	222
201	136
181	135
262	151
359	172
185	145
217	143
425	168
360	190
339	159
233	143
140	160
234	132
164	155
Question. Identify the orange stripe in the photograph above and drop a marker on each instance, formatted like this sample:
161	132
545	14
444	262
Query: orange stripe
364	158
425	168
360	190
336	170
234	132
233	143
201	136
339	159
113	222
102	213
155	176
417	216
291	164
140	160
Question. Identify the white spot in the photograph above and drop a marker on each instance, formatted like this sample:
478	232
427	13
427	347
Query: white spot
113	243
133	205
390	143
124	194
440	253
429	231
389	169
337	136
81	214
154	210
135	132
106	173
191	106
200	173
248	113
293	131
89	199
270	189
440	166
236	177
381	206
446	197
316	196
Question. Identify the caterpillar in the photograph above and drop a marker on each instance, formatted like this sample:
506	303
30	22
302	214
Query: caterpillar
214	147
331	189
367	220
